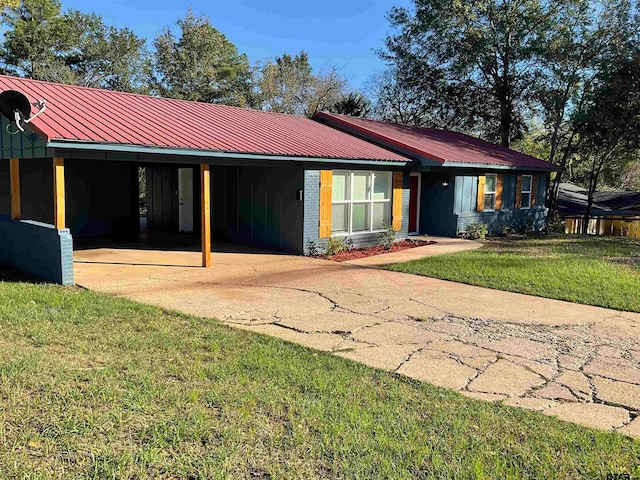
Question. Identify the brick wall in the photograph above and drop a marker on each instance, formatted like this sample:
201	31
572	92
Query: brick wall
38	249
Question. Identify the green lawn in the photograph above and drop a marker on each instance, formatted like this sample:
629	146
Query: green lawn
97	387
603	271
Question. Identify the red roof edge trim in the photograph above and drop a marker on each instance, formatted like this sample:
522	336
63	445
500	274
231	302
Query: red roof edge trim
366	134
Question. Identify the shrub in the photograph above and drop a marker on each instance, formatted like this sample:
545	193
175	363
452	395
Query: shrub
476	231
348	242
505	229
311	248
336	245
386	238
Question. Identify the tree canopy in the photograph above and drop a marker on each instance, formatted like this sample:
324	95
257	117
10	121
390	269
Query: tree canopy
44	43
288	84
200	64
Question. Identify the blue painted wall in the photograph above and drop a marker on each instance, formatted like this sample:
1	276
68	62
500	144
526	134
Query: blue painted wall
449	211
436	205
466	190
37	249
258	206
20	145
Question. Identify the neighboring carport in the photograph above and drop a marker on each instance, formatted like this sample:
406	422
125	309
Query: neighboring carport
225	173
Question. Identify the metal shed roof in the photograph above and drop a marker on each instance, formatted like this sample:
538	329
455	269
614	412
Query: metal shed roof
441	147
81	115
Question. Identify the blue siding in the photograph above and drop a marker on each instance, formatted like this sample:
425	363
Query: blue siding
37	249
437	205
466	210
20	145
466	191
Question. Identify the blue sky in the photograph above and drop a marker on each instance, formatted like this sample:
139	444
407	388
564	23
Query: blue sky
340	33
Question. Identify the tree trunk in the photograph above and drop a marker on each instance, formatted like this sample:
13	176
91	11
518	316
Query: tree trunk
593	182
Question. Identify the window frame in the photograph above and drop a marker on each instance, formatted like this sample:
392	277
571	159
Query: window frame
494	192
530	191
370	201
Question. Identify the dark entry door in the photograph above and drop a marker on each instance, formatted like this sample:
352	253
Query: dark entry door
414	196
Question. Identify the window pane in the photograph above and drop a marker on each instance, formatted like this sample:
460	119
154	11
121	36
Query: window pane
490	183
361	185
360	217
381	215
339	186
381	185
339	218
526	200
526	183
489	201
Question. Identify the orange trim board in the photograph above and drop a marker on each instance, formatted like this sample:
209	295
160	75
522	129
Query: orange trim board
205	214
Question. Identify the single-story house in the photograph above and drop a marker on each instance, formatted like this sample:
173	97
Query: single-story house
612	213
243	176
455	179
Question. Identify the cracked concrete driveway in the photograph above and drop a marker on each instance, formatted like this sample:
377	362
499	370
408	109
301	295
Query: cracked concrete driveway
577	362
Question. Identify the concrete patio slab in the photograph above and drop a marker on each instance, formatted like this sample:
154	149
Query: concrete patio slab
486	344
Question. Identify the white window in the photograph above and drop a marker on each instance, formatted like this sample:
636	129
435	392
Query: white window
525	191
490	182
361	201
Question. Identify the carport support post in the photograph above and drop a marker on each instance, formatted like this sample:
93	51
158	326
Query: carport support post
14	173
205	223
58	193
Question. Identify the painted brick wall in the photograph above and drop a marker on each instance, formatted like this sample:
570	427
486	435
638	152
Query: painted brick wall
311	225
517	219
37	249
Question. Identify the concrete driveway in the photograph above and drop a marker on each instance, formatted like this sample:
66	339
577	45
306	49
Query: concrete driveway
577	362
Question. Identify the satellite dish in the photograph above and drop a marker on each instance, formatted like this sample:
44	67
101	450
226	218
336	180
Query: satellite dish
16	107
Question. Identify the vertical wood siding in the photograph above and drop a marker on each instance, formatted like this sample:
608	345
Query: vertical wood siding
480	198
499	189
326	196
396	217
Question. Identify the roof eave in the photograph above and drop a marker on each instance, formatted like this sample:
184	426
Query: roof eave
142	149
493	166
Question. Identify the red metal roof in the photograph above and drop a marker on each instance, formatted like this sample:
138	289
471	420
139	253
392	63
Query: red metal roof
441	146
92	115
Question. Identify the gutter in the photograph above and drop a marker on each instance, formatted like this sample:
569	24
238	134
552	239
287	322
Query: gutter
137	149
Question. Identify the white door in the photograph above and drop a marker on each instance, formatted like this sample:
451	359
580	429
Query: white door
185	197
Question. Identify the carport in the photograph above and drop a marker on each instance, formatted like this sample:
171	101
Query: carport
215	172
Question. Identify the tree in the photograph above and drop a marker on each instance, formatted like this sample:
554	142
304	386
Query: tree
487	48
73	47
201	65
355	104
421	96
289	85
584	43
609	125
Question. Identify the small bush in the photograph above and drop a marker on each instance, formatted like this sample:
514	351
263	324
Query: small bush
312	249
476	231
348	242
528	227
386	238
336	245
505	229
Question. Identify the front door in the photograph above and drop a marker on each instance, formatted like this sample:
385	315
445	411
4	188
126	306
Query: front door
185	197
414	203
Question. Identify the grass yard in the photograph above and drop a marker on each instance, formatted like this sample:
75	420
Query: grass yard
603	271
97	387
